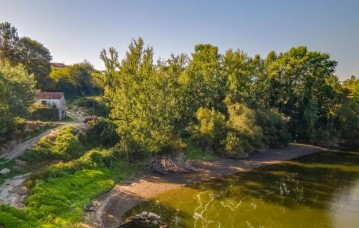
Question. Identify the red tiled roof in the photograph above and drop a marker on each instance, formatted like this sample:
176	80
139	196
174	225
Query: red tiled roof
50	95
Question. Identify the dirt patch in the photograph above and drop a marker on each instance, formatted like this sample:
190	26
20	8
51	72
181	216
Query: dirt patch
13	192
110	208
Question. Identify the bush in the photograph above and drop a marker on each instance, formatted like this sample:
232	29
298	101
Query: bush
242	132
43	112
101	133
274	128
211	129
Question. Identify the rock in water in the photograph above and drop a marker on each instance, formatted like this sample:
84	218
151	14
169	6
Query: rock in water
4	171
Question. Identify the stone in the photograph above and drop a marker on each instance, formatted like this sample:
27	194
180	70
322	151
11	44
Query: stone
89	208
144	214
5	171
152	215
147	221
155	222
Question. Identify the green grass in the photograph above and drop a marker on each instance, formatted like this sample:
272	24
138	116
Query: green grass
73	176
197	154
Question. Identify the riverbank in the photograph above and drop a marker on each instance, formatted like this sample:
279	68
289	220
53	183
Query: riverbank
110	208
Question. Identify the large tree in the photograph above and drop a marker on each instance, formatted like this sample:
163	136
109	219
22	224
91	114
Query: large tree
203	79
143	100
31	53
8	42
36	59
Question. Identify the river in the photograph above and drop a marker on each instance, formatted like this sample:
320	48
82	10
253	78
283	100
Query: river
316	190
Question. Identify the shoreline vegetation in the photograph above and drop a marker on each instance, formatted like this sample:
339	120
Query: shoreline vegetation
112	206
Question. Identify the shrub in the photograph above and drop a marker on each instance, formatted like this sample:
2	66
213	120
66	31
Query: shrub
101	133
211	129
43	112
274	128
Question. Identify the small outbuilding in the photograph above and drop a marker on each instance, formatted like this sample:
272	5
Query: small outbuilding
54	99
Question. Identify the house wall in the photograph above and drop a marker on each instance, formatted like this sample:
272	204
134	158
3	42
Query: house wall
59	103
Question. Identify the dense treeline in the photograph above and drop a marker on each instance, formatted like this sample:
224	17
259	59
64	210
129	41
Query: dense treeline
228	103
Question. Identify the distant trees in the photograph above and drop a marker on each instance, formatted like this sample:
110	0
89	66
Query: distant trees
76	80
31	53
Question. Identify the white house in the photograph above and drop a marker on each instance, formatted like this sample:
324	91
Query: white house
54	98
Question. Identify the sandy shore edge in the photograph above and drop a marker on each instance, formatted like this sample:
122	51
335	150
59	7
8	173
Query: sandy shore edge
110	207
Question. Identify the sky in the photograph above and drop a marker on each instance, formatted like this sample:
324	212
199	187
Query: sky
75	30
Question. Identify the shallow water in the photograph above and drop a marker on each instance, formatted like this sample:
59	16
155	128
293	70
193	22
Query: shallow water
317	190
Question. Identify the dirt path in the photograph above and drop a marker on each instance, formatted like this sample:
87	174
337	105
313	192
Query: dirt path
13	192
110	208
20	148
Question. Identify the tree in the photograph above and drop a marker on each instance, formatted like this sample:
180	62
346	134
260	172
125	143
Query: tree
204	83
352	85
36	60
143	101
297	84
8	42
17	93
31	53
76	80
238	71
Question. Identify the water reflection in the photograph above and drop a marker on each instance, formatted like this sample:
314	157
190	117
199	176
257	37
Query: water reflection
318	190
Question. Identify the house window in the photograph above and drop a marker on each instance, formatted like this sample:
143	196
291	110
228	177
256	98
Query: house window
43	102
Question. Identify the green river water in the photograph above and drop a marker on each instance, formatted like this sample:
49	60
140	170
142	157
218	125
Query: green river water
317	190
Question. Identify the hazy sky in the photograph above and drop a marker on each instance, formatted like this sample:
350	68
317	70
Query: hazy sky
75	30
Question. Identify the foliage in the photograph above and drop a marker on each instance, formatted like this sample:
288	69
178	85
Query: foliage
195	153
348	121
352	85
211	129
63	144
30	53
94	105
143	101
11	217
101	133
17	93
36	59
274	127
42	112
75	81
204	84
243	131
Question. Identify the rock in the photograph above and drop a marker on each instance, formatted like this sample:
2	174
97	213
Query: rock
155	222
152	215
89	208
4	171
144	214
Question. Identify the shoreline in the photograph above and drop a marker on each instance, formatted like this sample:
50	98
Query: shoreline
110	207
